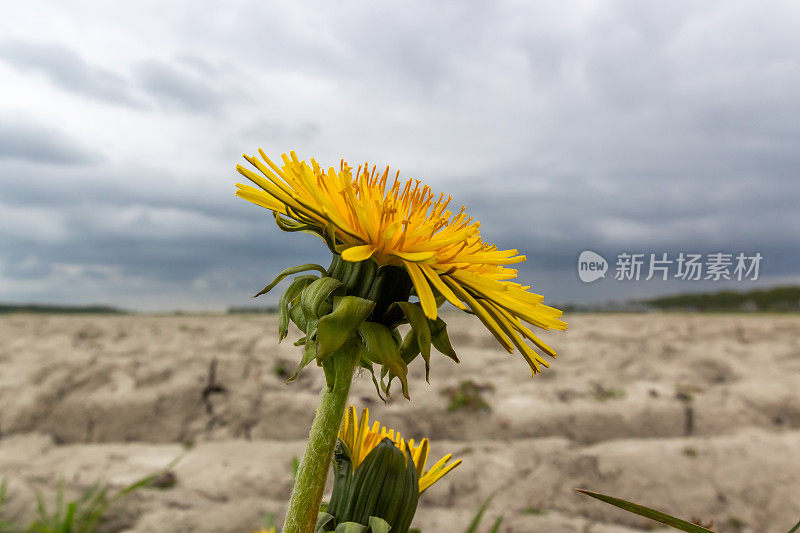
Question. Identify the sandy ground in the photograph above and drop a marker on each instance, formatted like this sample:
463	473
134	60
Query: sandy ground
697	415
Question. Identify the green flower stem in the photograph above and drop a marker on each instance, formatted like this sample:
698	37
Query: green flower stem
313	472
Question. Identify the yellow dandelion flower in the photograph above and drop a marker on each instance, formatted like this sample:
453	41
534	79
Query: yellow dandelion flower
360	439
403	223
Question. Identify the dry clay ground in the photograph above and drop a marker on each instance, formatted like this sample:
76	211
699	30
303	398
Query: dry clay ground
698	415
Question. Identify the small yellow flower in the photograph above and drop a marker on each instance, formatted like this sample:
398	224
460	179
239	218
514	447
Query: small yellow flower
406	224
360	439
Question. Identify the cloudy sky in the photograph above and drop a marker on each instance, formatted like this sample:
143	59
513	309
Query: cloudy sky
609	126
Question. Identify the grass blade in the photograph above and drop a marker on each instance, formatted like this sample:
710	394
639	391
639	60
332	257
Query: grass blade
647	512
69	518
497	524
796	528
473	526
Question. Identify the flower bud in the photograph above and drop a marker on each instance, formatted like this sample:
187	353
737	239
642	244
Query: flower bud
385	485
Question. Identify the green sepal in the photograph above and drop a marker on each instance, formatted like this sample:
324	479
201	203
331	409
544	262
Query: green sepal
366	277
314	298
378	385
336	270
367	480
392	284
383	492
289	295
342	478
359	276
440	339
351	350
382	349
287	224
422	331
288	272
388	384
330	373
367	364
335	328
408	507
324	522
309	353
399	497
409	350
329	236
298	316
351	273
409	347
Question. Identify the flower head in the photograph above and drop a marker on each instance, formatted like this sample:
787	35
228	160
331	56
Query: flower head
403	223
361	438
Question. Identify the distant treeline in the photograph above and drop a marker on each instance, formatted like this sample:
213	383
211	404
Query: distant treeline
252	309
775	299
61	309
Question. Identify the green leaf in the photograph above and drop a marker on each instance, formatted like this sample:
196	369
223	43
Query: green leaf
289	295
440	339
288	272
796	528
335	328
497	524
422	331
314	298
350	527
382	349
378	525
647	512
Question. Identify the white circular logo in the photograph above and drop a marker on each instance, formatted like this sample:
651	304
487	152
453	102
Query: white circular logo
591	266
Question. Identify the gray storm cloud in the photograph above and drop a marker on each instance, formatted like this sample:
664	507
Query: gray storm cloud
613	126
67	70
28	141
